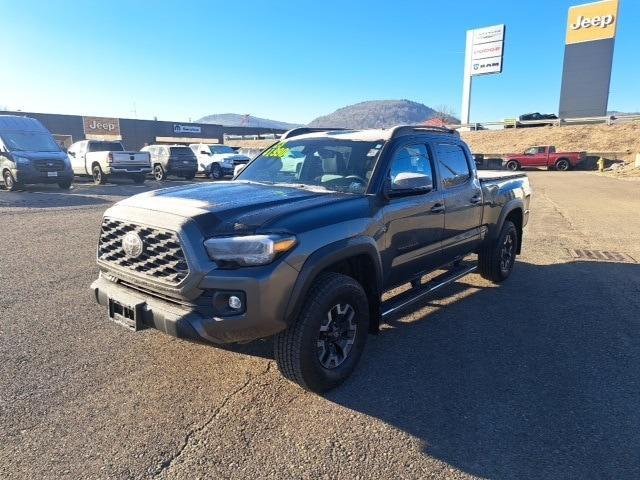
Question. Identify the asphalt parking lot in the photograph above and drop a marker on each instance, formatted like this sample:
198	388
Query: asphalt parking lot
536	378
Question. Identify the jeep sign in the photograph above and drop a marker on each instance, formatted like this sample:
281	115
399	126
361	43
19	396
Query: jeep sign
101	126
592	21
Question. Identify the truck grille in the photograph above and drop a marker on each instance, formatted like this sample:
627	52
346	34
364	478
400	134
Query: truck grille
162	256
55	165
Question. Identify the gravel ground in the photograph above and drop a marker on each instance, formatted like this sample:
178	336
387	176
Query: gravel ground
536	378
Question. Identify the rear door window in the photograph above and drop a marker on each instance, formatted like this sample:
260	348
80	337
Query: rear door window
454	167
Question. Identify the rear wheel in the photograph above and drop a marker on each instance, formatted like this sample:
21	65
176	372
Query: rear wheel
99	177
563	165
191	176
496	260
10	182
158	173
323	346
138	179
215	172
513	165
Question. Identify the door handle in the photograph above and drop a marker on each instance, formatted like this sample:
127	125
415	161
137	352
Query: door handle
476	199
437	208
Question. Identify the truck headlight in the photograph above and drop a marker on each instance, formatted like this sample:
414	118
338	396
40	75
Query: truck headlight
21	160
248	251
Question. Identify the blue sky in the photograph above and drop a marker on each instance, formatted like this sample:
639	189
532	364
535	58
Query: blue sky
286	60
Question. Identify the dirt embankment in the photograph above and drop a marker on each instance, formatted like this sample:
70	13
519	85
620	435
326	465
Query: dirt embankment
620	142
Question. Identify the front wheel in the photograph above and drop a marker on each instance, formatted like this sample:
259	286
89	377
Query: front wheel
323	346
496	259
66	185
10	182
216	171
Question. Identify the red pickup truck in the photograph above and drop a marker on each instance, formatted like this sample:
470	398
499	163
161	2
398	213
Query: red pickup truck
543	156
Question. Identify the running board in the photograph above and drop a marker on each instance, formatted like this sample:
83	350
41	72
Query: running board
414	295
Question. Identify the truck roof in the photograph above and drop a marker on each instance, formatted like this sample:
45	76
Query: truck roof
366	135
17	123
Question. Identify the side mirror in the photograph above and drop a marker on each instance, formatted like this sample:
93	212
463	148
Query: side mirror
408	183
73	154
204	152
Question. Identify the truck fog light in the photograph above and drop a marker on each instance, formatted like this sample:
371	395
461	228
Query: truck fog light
235	302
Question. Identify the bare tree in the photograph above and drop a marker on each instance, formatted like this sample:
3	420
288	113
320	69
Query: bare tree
445	113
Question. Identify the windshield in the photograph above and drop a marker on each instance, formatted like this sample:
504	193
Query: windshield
105	147
221	149
30	142
337	165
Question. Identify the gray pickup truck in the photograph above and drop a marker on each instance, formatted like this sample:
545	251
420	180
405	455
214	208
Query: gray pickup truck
302	244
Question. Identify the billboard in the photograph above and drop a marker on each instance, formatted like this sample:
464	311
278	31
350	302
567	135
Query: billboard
483	56
588	55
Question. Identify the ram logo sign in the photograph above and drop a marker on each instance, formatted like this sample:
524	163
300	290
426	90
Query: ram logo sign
593	21
186	129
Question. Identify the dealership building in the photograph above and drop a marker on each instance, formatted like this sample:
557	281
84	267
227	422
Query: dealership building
135	134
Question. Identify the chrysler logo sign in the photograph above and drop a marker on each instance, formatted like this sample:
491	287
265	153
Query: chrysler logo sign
132	245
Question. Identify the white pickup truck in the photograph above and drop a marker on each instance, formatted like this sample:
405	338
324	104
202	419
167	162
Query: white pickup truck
217	161
102	159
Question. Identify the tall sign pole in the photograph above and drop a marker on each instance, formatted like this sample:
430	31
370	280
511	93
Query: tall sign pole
483	56
466	84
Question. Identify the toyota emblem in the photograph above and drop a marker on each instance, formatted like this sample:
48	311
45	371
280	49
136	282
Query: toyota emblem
132	245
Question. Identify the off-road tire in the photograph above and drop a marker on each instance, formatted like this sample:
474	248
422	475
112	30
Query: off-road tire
158	173
138	179
10	182
512	165
490	256
99	177
296	348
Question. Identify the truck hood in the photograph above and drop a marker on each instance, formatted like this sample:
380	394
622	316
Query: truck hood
60	155
222	208
231	156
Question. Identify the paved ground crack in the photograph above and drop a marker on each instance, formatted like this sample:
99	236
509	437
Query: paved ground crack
166	464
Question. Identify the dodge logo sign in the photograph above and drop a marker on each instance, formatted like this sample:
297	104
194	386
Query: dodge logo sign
132	245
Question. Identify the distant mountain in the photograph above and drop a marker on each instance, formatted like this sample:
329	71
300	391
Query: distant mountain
237	120
379	114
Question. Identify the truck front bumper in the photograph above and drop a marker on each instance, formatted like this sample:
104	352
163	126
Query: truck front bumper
31	176
265	292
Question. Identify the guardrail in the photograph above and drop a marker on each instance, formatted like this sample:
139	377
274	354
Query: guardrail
608	119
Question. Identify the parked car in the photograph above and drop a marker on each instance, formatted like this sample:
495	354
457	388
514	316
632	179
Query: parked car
217	161
104	159
29	154
528	117
543	156
178	160
305	254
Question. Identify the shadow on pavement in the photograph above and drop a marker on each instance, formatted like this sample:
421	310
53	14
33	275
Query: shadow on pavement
536	378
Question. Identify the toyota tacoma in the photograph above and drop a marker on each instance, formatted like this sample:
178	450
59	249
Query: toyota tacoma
302	244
